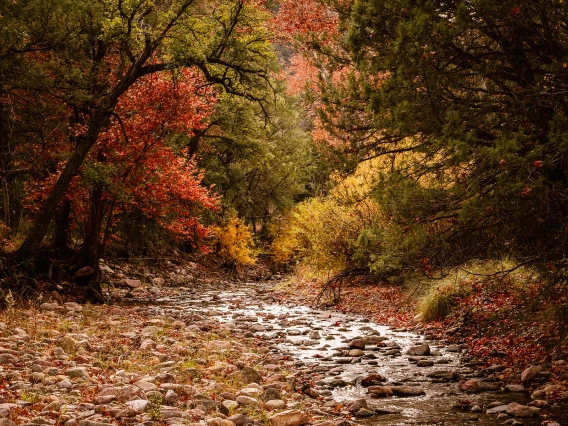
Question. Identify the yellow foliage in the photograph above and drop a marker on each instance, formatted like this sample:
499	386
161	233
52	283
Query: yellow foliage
320	232
235	241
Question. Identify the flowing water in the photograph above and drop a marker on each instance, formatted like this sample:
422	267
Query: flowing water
318	341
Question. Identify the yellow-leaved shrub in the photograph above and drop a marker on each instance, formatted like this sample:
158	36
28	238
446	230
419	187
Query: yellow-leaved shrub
235	242
321	233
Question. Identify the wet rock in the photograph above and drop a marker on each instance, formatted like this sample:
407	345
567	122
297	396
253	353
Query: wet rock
380	391
289	418
517	410
474	386
363	412
529	374
356	405
425	363
539	403
497	409
515	388
357	344
407	391
420	350
443	375
372	379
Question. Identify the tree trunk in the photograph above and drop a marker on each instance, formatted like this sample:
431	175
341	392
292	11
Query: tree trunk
40	226
62	227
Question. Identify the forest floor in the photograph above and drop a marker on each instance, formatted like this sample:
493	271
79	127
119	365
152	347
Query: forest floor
143	361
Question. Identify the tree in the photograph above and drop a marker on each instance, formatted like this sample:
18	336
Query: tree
89	54
260	166
476	91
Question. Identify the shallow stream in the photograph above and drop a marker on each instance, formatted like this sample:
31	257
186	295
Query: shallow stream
318	341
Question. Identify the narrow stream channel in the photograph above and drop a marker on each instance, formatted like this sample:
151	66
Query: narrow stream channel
318	340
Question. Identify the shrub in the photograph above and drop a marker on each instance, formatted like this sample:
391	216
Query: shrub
235	242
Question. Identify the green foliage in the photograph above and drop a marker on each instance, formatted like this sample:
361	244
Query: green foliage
476	91
259	159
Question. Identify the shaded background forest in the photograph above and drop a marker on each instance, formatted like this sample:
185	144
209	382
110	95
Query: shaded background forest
392	138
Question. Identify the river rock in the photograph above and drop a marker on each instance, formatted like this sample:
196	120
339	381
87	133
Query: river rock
218	345
271	394
77	372
129	283
517	410
356	353
230	404
380	391
474	386
364	412
407	391
356	405
276	404
443	375
247	375
425	363
372	379
246	400
497	409
357	344
240	419
86	271
289	418
530	373
515	388
137	405
8	359
8	422
420	350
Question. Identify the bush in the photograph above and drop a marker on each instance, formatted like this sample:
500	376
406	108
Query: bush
235	243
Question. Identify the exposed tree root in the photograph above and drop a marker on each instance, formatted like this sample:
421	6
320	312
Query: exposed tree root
330	294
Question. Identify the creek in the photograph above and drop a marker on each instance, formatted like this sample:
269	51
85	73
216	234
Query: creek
318	343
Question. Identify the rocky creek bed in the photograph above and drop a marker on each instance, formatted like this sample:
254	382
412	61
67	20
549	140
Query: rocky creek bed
226	354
